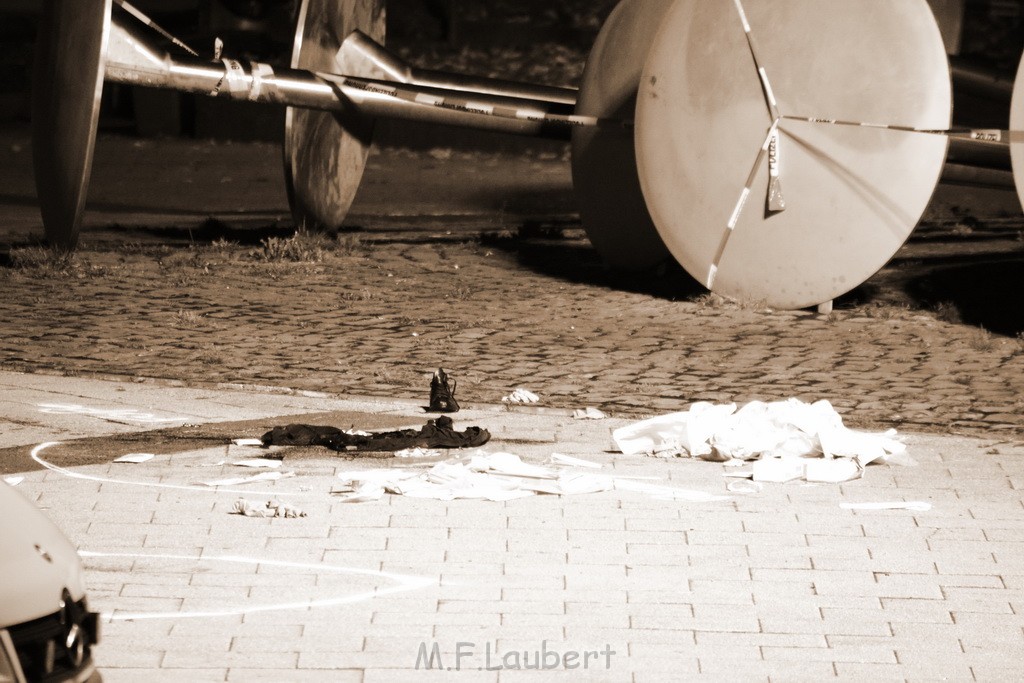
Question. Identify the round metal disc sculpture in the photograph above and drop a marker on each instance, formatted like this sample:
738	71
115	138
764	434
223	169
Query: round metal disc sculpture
1017	132
607	188
67	84
759	204
325	153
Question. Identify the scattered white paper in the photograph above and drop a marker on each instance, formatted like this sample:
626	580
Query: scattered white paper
666	492
521	396
263	476
496	477
569	461
267	463
511	465
14	481
778	470
247	442
356	477
135	458
366	493
418	453
914	505
832	470
588	414
745	486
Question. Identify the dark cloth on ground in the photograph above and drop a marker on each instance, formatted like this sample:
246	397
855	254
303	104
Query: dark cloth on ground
439	433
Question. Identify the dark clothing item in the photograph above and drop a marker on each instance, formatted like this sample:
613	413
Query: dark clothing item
439	433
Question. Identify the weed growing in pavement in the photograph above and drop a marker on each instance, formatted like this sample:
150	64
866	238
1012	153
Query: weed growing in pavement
184	280
982	340
303	247
192	257
42	261
460	293
348	245
364	295
710	300
885	311
946	311
223	247
210	358
747	304
185	318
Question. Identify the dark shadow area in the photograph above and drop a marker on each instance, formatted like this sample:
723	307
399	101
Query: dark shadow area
986	291
555	250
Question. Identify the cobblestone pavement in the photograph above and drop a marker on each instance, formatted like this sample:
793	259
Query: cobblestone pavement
778	584
503	291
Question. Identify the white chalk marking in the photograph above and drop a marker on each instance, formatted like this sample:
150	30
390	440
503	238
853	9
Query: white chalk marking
109	414
152	484
404	583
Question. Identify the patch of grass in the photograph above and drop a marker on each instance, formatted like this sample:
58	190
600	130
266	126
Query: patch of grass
43	261
210	358
885	311
348	245
185	258
946	311
303	247
188	319
982	340
363	295
223	247
710	300
460	293
748	304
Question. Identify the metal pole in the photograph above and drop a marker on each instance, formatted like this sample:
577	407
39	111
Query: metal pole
360	49
132	59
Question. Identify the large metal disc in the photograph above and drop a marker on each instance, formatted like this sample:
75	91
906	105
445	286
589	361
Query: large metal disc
66	88
604	174
1017	132
853	194
325	153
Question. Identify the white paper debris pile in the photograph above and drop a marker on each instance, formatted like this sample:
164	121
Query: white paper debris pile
588	414
788	440
273	508
498	477
521	395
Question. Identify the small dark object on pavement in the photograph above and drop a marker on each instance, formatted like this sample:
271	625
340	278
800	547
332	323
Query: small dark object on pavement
442	397
439	433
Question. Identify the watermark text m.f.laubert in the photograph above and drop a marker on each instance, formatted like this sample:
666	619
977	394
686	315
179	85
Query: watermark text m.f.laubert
467	656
